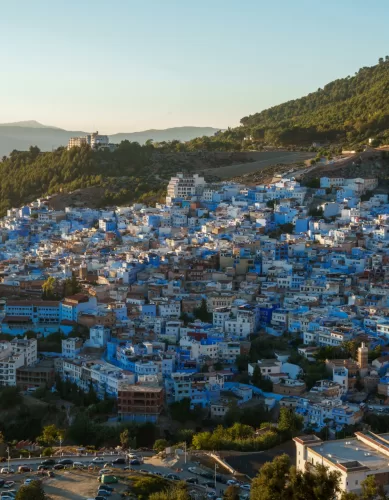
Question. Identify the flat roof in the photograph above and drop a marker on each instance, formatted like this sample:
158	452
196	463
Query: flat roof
139	388
345	452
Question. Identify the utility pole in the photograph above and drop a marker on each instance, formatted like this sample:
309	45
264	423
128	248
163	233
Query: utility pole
60	446
216	467
8	457
185	450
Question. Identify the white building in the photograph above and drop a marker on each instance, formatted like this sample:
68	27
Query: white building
71	347
354	458
27	347
94	140
98	336
184	186
9	363
242	325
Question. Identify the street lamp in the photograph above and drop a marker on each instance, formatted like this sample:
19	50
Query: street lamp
216	467
60	446
8	457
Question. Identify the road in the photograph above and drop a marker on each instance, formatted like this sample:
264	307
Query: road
262	160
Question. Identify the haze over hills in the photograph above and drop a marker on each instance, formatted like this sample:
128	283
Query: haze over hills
22	135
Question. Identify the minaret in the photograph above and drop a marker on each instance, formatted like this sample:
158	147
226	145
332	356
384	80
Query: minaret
363	359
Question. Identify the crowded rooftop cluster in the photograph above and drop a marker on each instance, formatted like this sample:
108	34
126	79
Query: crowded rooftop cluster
153	305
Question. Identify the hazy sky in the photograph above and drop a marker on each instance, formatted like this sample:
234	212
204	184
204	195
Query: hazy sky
127	65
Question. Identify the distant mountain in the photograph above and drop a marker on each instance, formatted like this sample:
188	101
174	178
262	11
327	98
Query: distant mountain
27	123
22	135
169	134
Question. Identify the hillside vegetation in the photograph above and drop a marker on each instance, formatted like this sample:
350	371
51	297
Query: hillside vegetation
351	109
130	173
27	175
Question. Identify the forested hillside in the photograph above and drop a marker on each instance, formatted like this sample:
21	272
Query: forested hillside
351	109
26	175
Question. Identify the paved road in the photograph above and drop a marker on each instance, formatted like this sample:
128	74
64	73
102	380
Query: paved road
264	159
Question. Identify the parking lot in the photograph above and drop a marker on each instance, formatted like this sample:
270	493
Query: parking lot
78	480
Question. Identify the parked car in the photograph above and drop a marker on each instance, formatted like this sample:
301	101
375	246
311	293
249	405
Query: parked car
99	497
2	481
6	470
231	482
58	467
66	461
49	461
104	471
24	468
210	484
106	487
246	487
195	470
104	493
43	467
98	460
135	461
174	477
50	473
206	475
192	480
79	465
144	471
108	479
9	484
28	481
119	461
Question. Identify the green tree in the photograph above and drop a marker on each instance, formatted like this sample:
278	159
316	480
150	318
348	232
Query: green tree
125	439
177	492
372	490
349	495
50	435
160	445
241	362
231	493
34	491
9	397
256	379
202	312
289	422
144	486
278	481
49	288
270	483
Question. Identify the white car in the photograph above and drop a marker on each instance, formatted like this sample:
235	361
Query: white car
105	471
194	470
98	460
6	470
231	482
246	487
28	481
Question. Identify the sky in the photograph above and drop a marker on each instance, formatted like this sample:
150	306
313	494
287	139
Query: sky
129	65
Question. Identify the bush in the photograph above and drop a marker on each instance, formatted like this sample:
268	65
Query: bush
47	452
160	445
